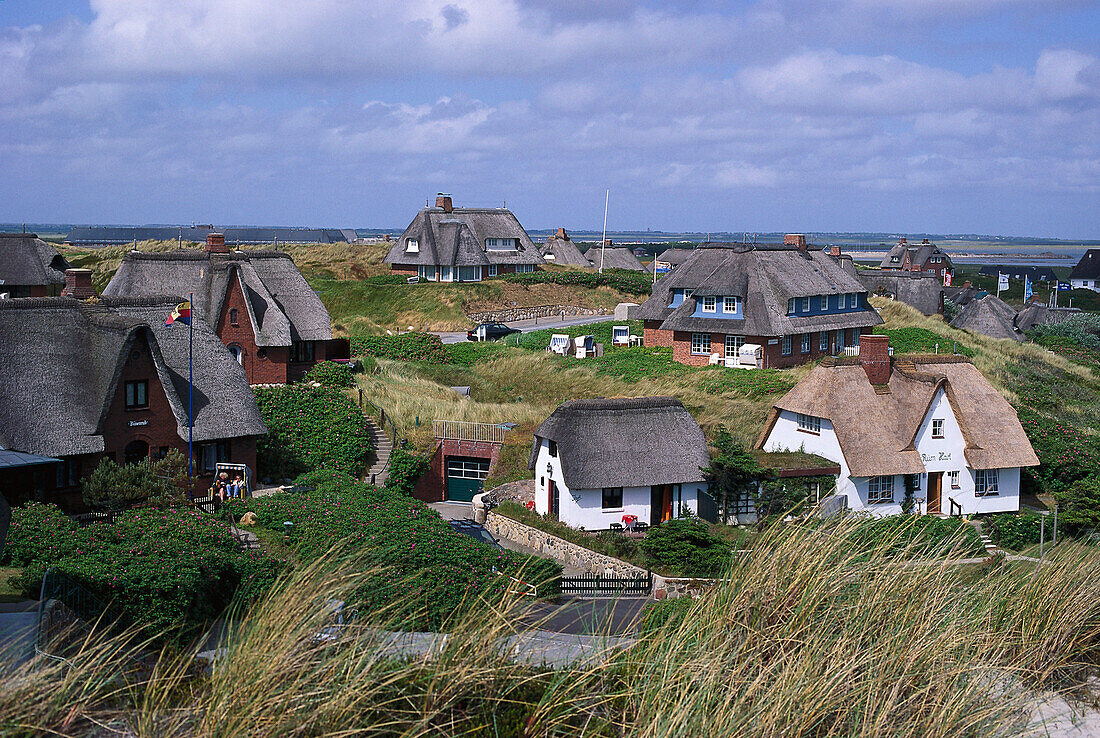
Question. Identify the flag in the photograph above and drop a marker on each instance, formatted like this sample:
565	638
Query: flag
182	313
1028	291
1002	281
946	279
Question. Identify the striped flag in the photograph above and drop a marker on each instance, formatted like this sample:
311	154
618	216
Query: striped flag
182	313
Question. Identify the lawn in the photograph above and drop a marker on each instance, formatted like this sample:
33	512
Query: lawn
9	592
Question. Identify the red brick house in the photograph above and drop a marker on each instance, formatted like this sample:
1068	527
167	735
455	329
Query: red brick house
797	303
924	257
257	301
449	244
30	267
83	379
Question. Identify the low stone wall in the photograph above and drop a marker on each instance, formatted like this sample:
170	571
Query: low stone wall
522	491
559	549
676	587
530	312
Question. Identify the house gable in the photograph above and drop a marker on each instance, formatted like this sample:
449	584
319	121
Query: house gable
155	424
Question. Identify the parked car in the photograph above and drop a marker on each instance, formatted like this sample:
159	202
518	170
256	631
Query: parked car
490	331
475	531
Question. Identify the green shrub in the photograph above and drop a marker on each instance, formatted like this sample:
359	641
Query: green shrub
470	353
157	483
370	365
686	546
759	383
331	374
39	533
925	534
1015	531
1066	455
384	279
310	428
624	280
1082	329
404	469
426	348
1079	506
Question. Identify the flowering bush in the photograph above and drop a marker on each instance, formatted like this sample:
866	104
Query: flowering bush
426	348
1015	530
405	468
39	534
310	428
624	280
331	374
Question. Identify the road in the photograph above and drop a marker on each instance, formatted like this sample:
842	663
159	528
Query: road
535	324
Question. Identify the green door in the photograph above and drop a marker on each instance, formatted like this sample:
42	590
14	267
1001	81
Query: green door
465	476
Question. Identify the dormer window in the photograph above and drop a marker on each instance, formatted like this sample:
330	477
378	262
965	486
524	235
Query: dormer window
710	304
729	304
501	244
412	245
805	304
233	316
790	306
894	259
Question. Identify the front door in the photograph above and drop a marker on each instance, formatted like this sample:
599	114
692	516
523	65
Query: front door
935	486
660	504
555	501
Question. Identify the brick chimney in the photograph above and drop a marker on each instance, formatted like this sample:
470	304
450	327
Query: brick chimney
215	243
834	250
443	200
607	242
874	357
902	240
562	234
795	239
78	284
925	240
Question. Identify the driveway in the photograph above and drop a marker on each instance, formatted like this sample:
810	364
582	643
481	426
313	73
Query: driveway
534	324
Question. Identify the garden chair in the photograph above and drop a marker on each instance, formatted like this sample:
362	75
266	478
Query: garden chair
616	527
641	526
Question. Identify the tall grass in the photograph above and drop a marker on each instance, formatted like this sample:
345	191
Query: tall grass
811	636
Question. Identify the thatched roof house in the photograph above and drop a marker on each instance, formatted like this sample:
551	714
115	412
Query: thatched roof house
925	292
560	249
963	294
450	244
990	316
618	257
30	267
916	257
1034	314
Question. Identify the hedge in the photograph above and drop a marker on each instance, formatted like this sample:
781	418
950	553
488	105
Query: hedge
925	534
422	347
624	280
310	428
1015	531
331	374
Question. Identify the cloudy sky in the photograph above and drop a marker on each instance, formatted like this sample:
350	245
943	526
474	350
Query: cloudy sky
811	115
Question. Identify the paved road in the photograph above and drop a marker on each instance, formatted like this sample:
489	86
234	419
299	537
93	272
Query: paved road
536	324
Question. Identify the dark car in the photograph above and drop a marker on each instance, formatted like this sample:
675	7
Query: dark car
490	331
475	531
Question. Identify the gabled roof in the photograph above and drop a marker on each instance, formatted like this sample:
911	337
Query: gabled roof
963	294
64	357
614	258
282	306
1088	267
27	260
918	253
1031	315
458	238
877	431
625	442
557	250
923	291
765	277
990	316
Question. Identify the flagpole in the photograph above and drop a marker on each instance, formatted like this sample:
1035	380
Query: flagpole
190	389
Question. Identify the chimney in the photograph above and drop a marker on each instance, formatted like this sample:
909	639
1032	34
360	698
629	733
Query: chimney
834	250
78	284
925	240
562	234
967	285
902	240
607	242
874	357
215	243
443	200
795	239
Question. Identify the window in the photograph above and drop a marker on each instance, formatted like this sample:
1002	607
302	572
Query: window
552	448
68	473
729	304
809	423
135	451
734	344
986	482
412	245
805	304
700	343
237	353
786	345
805	343
444	274
612	498
710	304
469	273
688	293
853	300
212	453
842	301
742	505
492	270
501	244
937	428
840	340
790	306
953	479
824	343
137	394
426	272
302	351
524	268
894	259
880	489
233	316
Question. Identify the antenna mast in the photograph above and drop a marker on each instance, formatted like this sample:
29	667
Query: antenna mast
603	241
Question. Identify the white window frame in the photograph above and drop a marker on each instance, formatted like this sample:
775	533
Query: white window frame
412	245
700	344
709	304
736	342
809	423
524	268
787	346
987	482
880	489
501	244
805	304
445	274
937	427
806	343
729	304
492	270
427	272
953	479
823	342
842	301
790	306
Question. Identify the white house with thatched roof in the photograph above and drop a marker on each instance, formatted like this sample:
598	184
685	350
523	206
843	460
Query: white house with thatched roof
928	427
596	461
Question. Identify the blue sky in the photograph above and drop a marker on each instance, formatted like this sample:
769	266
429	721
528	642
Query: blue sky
777	115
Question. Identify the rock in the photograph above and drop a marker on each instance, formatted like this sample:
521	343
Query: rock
249	518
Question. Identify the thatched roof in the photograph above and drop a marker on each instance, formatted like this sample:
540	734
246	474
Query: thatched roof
1088	267
458	238
764	277
963	294
925	292
27	260
618	257
558	250
877	430
63	359
918	253
990	316
1032	315
282	305
625	442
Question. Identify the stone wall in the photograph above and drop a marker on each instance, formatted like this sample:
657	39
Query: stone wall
530	312
522	491
673	588
559	549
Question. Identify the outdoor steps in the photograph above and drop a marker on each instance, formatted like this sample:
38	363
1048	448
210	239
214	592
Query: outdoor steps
381	453
991	548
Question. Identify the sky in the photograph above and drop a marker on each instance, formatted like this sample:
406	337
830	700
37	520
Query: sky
938	116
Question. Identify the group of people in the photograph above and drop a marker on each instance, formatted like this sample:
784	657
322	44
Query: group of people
226	488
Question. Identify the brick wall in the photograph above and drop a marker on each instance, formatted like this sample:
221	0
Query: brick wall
409	269
262	364
432	487
774	358
652	334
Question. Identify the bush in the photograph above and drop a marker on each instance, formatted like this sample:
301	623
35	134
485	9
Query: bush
1079	510
1082	329
310	428
405	468
1066	455
426	348
686	546
470	353
1015	531
928	535
384	279
157	483
624	280
331	374
39	533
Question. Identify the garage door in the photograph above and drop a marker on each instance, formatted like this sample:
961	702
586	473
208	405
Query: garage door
465	477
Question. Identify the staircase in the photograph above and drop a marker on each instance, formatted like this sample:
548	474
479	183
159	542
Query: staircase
380	456
991	548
